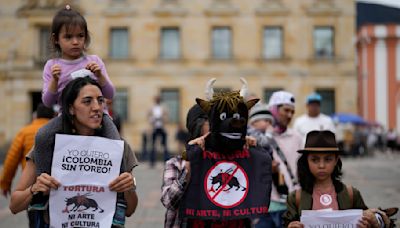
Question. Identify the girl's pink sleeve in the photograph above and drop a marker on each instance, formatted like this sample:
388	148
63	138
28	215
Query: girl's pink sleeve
48	98
108	89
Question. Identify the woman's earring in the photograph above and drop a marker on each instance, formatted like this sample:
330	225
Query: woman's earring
73	126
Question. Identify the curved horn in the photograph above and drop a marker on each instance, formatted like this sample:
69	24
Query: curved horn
209	88
244	89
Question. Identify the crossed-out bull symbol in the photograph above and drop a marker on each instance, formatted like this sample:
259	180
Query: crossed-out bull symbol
81	200
222	179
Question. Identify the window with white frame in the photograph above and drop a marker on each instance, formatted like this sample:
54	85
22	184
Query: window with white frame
273	42
170	43
221	43
323	42
119	43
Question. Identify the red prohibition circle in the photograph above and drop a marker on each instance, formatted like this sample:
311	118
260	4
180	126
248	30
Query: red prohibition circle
213	200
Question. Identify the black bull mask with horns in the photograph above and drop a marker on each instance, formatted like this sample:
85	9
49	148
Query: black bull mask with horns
228	114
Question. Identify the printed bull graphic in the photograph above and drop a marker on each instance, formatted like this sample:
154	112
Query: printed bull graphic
81	201
226	179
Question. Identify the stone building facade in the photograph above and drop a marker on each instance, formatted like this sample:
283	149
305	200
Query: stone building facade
379	76
172	47
378	54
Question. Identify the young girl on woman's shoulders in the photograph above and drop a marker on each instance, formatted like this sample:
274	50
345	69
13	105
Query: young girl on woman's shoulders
319	171
69	40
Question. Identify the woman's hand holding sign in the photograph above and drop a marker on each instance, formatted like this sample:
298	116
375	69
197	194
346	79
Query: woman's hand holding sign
44	183
124	182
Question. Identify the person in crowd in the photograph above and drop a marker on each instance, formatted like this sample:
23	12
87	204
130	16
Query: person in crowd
20	147
158	116
313	119
82	114
348	138
359	147
176	174
319	173
391	139
261	124
69	40
284	144
380	138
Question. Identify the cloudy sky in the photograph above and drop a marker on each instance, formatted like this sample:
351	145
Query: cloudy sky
391	3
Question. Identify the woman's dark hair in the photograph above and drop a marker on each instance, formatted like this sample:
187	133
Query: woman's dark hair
68	96
69	18
307	179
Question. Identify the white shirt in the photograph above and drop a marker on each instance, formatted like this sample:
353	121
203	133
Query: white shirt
157	113
305	124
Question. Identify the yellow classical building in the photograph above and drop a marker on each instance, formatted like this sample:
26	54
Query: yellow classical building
172	47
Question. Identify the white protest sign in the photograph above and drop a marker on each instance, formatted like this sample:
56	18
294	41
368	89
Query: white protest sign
331	219
84	165
86	159
79	206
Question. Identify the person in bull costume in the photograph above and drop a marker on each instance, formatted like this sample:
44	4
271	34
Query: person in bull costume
230	183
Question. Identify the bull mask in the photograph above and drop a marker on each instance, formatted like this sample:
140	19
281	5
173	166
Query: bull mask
227	113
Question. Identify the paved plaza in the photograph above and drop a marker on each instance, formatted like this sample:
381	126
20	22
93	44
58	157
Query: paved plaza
377	177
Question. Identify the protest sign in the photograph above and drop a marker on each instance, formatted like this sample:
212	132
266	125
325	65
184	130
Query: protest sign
331	219
84	165
227	186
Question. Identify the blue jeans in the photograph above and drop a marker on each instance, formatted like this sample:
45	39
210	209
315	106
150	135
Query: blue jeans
272	220
38	220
